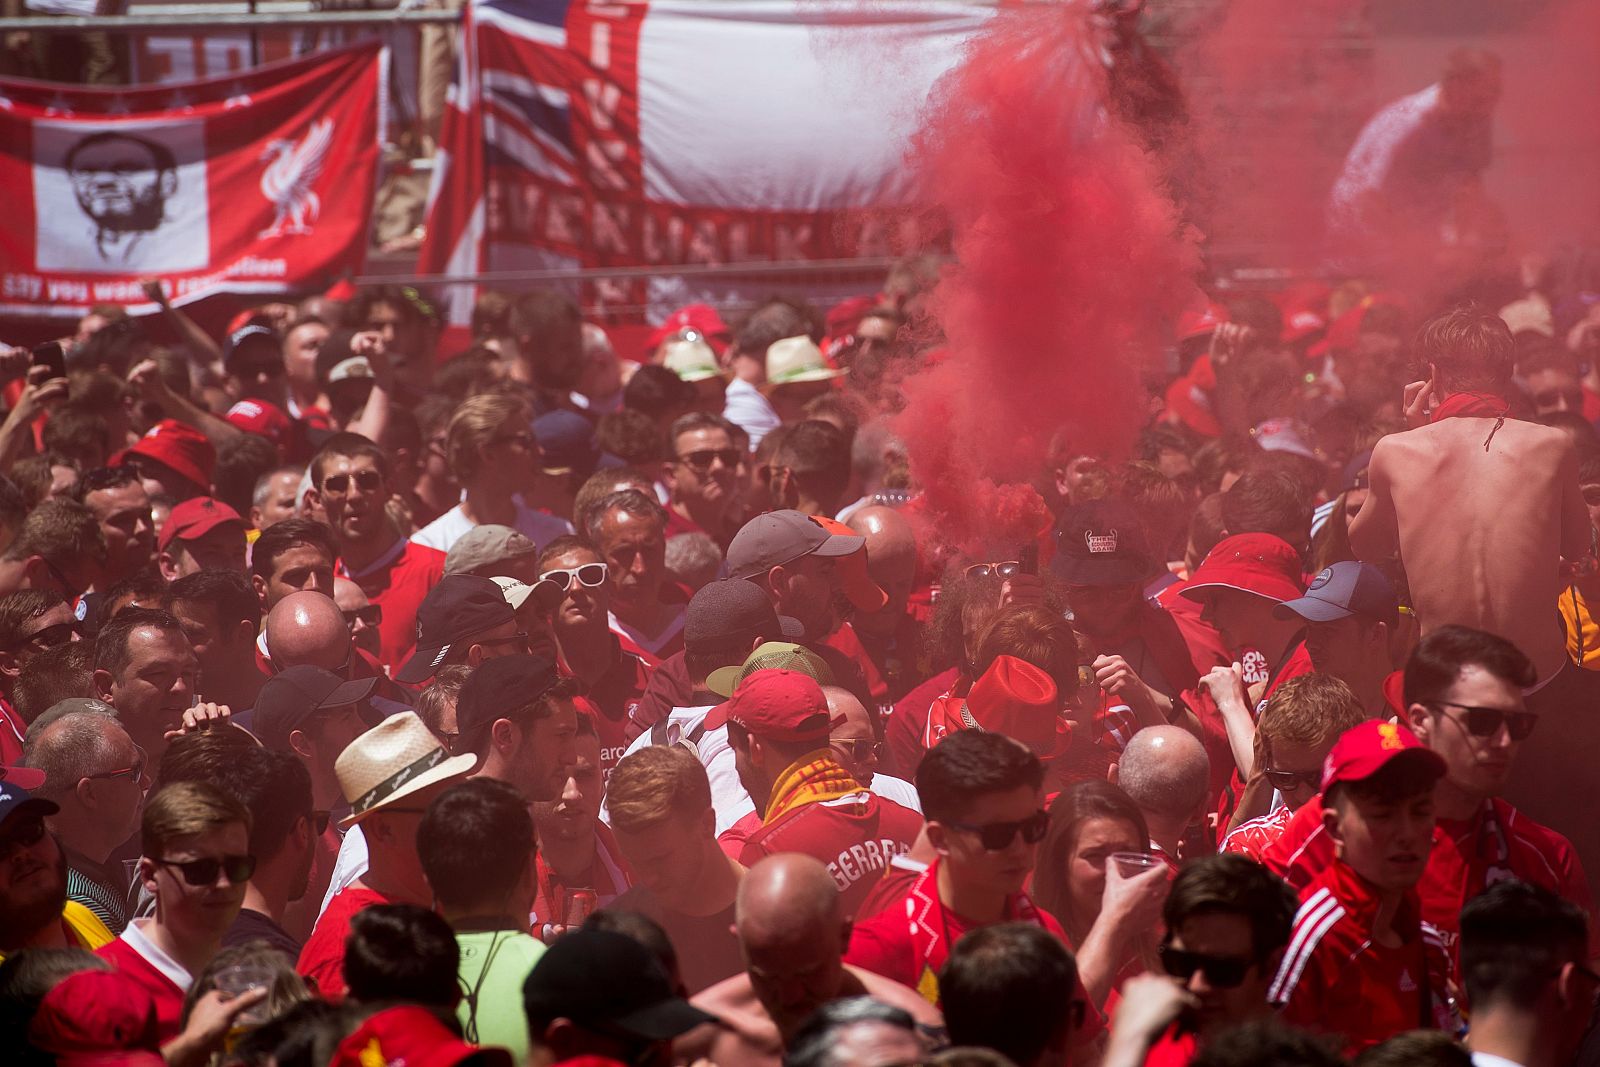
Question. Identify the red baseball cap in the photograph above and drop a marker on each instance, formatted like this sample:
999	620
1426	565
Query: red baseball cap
1200	320
1367	748
193	519
179	446
776	705
700	317
261	418
1190	400
1256	563
1015	698
411	1036
97	1019
858	586
1345	331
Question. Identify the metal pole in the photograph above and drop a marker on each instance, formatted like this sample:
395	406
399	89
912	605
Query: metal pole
137	23
676	270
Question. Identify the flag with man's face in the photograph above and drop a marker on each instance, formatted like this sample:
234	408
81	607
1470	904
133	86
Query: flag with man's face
257	183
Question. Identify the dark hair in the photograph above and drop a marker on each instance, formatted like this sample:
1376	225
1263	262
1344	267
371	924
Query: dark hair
1267	500
475	841
62	532
1231	884
402	952
35	474
564	544
241	461
52	676
25	977
1514	939
204	756
816	1042
305	1035
656	391
819	455
696	420
282	536
144	584
159	153
229	593
1266	1043
639	505
1091	798
968	765
1206	525
1004	986
274	786
774	319
21	607
1470	347
77	432
13	508
1415	1048
631	436
1439	657
549	329
98	479
351	446
111	652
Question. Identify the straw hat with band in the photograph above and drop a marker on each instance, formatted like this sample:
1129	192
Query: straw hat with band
797	359
395	759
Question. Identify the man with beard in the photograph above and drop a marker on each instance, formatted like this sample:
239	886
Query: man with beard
122	184
34	909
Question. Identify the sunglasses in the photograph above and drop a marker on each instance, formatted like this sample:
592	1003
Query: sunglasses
367	481
372	615
590	576
702	459
1486	722
205	871
1223	972
1549	398
25	834
54	636
860	748
520	637
133	771
1007	569
1283	781
995	836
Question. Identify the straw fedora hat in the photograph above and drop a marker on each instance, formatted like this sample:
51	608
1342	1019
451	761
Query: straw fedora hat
391	761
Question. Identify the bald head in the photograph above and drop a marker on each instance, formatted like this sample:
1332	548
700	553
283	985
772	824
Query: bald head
1165	770
308	628
892	562
74	746
789	897
888	533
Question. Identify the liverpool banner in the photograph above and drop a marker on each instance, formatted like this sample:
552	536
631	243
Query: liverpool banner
261	182
667	132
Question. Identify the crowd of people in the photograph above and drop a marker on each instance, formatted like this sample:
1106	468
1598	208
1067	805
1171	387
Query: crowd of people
538	704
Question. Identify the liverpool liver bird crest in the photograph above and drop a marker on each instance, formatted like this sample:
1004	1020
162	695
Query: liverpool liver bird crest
288	178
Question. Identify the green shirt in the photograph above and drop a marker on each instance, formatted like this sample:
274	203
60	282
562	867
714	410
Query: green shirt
494	964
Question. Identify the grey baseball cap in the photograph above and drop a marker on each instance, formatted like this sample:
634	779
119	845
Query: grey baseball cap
731	613
1344	590
780	537
69	706
486	545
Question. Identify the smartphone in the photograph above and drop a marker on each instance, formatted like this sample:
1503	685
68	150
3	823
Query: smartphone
1028	558
52	355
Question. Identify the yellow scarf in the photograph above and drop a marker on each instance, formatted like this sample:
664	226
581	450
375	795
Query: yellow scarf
813	777
1583	630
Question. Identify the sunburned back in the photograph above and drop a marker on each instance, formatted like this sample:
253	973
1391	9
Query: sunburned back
1480	530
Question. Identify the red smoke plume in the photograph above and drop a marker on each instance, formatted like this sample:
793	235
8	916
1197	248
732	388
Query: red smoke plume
1068	268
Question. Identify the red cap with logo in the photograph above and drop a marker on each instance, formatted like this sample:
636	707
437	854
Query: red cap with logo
1368	748
1015	698
409	1036
97	1019
262	419
193	519
776	705
179	446
1256	563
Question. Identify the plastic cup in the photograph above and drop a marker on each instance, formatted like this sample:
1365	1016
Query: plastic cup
1133	864
242	978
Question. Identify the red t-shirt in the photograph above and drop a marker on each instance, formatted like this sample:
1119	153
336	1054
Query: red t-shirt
12	731
398	586
902	734
322	958
1172	1049
846	643
168	995
614	699
854	836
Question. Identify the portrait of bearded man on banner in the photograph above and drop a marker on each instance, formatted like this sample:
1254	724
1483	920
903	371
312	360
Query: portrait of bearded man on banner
122	183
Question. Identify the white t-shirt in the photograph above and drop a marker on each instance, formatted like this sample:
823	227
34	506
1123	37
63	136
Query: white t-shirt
350	865
745	407
539	527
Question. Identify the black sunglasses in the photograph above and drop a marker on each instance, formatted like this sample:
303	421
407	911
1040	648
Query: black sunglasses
53	636
1223	972
995	836
366	481
702	459
205	871
1486	722
1008	569
861	747
1283	781
28	831
1549	398
372	615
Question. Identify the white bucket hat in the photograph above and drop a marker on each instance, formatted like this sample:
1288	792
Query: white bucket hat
797	359
393	760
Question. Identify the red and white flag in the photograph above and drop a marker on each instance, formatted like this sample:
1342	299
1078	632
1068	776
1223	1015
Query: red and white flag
261	182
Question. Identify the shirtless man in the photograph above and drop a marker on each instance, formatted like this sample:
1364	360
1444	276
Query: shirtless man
1481	508
793	935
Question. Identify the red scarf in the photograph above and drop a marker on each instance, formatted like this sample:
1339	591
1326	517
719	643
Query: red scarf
929	945
1471	406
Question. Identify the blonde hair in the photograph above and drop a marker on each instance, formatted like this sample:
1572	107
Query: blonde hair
186	809
1310	710
656	784
475	424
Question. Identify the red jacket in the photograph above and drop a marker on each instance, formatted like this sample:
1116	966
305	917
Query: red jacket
1467	857
854	836
1335	978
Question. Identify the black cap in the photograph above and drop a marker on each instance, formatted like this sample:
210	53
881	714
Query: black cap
730	614
1100	543
459	606
1344	590
502	685
610	983
291	698
252	338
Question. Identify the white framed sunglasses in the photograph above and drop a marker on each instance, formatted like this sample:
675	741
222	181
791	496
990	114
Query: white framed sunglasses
589	576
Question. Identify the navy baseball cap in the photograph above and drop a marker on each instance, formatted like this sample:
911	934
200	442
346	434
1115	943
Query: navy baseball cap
1100	543
1344	590
458	607
291	698
567	445
15	800
729	614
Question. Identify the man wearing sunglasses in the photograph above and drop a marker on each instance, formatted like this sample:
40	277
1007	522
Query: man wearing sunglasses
702	476
464	619
31	621
196	864
34	909
350	481
96	776
1228	921
1463	692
